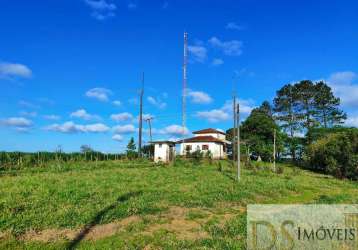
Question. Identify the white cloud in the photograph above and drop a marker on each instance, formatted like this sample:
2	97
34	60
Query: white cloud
101	5
343	87
344	77
71	127
125	129
174	130
198	97
117	103
17	122
121	117
234	26
198	52
146	116
100	94
28	114
215	115
156	102
117	137
101	9
82	114
217	62
52	117
9	70
229	48
225	112
352	121
246	106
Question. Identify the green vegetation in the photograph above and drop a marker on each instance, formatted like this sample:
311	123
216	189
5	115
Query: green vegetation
131	149
137	204
336	154
303	106
258	133
21	160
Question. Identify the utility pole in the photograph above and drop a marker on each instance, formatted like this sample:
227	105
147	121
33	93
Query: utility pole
141	118
185	62
234	129
150	132
150	127
238	142
274	150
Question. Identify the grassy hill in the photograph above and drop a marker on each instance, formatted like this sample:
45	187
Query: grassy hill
136	205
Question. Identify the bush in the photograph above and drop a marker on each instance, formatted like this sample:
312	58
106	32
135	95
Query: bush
279	169
335	154
197	157
220	166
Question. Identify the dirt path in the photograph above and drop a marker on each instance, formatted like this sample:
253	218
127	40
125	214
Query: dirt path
176	220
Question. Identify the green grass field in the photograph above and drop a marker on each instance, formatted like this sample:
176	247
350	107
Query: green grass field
132	205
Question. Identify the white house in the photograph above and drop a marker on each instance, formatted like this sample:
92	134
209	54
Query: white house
205	140
164	151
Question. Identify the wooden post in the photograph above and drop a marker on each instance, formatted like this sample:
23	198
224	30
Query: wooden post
234	129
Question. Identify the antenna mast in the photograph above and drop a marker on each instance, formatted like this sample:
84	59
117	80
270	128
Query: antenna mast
185	62
140	118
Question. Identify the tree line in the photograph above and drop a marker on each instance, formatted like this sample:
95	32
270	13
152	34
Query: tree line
301	113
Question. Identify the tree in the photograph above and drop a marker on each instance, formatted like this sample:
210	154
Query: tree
336	154
131	149
266	108
305	93
327	106
285	108
258	132
86	149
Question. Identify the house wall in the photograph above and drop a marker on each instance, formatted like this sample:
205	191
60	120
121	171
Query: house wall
162	154
215	135
216	149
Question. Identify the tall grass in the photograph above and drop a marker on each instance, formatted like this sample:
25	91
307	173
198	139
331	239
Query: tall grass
21	160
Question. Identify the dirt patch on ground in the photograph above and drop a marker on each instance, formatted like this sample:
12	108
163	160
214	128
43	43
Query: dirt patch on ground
94	233
4	235
176	220
178	223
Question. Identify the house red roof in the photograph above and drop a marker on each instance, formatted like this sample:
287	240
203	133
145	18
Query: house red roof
209	131
204	138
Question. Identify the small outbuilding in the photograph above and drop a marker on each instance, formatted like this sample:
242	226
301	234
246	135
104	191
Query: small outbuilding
164	151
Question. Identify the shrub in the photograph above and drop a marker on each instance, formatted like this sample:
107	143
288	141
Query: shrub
197	157
220	166
335	154
279	169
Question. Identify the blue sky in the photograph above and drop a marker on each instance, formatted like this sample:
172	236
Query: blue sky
70	69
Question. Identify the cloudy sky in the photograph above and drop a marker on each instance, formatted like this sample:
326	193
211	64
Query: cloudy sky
70	70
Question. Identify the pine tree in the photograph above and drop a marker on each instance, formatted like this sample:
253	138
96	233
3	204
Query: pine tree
327	106
131	149
285	108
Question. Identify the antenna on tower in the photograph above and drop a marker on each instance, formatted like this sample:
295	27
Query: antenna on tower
185	62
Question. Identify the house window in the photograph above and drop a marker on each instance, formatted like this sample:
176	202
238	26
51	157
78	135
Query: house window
160	145
188	147
205	147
